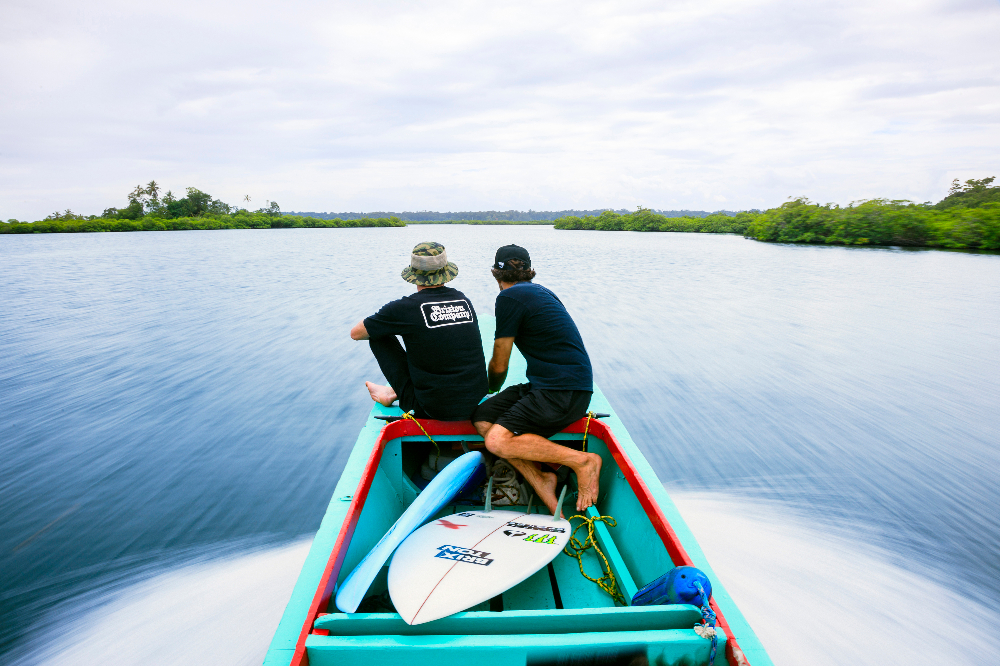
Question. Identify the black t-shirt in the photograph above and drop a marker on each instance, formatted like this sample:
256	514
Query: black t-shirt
546	336
444	349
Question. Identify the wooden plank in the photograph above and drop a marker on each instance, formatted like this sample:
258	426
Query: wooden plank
618	568
637	618
670	646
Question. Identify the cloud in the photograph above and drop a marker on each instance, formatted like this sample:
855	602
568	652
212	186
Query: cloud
460	105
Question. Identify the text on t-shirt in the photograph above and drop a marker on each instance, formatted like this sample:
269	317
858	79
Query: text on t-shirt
446	313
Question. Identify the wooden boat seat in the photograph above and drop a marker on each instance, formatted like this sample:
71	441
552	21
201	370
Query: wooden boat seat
660	646
481	623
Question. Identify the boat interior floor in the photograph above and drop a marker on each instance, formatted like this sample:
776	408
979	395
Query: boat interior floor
555	616
632	548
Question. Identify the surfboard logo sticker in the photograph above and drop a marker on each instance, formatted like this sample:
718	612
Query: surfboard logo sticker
541	538
450	525
538	528
514	533
459	554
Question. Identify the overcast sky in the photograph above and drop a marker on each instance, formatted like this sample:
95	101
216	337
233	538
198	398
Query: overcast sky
367	106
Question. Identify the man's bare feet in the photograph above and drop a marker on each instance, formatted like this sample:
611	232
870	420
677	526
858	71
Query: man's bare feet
383	395
588	478
546	490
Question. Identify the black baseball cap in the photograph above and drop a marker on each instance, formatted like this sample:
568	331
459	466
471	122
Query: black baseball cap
508	252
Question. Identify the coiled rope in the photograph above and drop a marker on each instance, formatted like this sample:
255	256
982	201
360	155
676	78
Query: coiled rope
576	548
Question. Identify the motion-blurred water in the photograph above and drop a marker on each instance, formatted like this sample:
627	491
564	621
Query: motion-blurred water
176	407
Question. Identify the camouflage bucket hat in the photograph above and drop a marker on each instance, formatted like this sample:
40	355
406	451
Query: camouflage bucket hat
429	266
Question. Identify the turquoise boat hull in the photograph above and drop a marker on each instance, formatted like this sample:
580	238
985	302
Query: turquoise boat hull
554	617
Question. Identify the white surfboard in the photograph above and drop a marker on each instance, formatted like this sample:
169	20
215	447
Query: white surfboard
448	483
456	562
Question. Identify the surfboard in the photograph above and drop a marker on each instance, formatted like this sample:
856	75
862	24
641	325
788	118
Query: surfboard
456	562
444	487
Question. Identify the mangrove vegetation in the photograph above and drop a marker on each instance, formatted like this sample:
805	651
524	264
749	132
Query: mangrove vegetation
967	218
148	211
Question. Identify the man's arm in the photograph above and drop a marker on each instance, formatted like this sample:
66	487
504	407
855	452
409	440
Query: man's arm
359	332
497	369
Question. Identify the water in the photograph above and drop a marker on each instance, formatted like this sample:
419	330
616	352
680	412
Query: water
176	407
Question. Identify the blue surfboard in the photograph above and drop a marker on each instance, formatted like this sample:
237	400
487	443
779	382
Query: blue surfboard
443	488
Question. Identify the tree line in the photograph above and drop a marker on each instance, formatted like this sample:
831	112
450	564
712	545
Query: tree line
967	218
497	216
148	211
644	219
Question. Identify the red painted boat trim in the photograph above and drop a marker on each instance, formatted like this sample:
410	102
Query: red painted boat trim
670	539
396	429
328	582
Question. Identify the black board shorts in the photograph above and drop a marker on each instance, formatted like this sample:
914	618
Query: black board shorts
544	412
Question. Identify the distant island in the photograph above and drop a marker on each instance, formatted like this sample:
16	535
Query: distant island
497	216
967	218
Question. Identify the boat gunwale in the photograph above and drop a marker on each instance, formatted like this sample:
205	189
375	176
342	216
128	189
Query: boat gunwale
675	549
331	572
404	428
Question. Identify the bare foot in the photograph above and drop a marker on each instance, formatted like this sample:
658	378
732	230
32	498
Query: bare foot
546	490
588	478
383	395
544	483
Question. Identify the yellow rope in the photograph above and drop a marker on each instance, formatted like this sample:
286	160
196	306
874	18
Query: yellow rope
409	416
576	548
586	429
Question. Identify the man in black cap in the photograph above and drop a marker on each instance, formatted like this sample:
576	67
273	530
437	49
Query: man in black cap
516	422
442	372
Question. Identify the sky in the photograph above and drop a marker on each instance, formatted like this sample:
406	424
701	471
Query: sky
454	106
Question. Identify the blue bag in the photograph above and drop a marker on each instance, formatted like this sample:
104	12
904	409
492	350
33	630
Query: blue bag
677	586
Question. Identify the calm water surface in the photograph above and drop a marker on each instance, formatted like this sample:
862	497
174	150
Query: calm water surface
178	397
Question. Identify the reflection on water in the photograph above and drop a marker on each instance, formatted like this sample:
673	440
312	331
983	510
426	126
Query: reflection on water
170	393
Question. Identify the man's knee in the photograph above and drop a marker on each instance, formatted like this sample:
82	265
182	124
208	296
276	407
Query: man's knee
497	440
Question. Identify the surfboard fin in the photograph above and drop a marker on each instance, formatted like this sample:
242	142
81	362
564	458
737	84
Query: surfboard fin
489	496
559	504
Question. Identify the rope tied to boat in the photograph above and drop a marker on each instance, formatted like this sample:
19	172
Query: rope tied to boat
707	630
410	417
586	429
576	548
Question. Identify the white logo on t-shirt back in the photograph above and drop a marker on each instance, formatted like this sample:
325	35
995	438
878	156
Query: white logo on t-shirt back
446	313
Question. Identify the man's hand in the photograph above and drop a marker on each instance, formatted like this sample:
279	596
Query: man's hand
359	332
497	370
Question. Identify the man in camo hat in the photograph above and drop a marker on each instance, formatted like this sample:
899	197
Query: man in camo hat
442	372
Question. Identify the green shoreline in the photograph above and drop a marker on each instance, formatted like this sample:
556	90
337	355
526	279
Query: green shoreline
968	219
871	223
877	222
239	220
